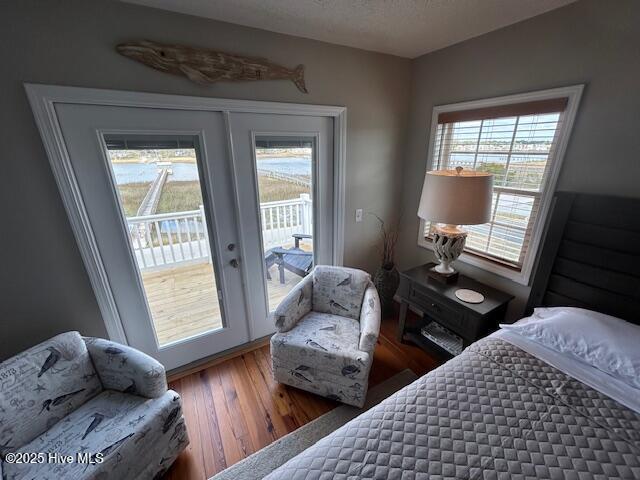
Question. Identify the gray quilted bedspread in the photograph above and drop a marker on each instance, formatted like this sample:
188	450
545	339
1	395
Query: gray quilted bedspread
493	412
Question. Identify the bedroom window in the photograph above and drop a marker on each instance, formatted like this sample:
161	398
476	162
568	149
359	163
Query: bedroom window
521	140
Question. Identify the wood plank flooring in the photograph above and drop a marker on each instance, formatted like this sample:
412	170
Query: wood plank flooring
184	300
235	408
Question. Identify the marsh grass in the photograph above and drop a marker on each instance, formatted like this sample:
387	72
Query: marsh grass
131	196
185	196
180	197
272	189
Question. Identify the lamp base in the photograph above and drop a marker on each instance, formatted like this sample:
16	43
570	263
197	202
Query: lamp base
447	278
448	243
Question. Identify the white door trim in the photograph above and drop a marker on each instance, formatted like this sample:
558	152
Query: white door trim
43	99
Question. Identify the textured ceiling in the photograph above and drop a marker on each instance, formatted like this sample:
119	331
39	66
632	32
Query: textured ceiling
408	28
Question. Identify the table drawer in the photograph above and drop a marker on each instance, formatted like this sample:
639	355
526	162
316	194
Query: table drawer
437	309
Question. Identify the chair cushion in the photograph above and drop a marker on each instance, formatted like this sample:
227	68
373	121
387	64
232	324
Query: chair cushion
132	433
339	290
321	341
41	386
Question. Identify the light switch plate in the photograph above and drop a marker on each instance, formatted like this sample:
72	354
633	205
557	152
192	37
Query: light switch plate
358	215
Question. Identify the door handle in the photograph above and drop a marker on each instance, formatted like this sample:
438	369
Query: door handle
234	263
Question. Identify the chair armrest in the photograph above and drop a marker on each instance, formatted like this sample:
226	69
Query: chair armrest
126	369
294	306
370	316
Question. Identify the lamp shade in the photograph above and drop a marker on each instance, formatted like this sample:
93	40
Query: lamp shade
456	197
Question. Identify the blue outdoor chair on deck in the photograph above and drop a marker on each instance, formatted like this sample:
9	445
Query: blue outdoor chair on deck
294	259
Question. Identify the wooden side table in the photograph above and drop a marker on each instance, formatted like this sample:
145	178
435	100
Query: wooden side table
438	302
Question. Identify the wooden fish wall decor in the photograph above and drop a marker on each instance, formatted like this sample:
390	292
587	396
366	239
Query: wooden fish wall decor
203	65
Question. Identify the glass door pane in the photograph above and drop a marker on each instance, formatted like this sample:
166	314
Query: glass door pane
284	168
160	193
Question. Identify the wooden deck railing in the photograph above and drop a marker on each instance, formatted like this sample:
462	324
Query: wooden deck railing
167	239
282	219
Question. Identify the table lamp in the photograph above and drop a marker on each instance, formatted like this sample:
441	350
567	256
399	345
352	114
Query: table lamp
451	198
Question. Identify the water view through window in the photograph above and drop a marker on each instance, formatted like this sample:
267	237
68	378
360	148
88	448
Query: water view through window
516	150
284	171
161	195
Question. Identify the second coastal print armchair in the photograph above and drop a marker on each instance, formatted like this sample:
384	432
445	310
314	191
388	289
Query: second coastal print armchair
72	395
327	328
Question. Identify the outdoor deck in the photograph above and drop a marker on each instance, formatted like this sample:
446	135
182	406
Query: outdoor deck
172	254
184	301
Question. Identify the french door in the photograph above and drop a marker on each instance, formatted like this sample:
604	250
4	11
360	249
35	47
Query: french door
201	220
172	269
284	171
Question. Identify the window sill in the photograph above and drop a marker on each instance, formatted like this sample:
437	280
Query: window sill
521	277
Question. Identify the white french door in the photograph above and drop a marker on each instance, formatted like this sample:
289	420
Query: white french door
174	275
193	221
284	170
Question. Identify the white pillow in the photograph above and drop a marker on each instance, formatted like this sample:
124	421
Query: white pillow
607	343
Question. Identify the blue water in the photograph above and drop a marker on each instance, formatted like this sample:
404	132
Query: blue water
184	172
169	226
289	165
147	172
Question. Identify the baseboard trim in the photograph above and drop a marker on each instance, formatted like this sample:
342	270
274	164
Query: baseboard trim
212	360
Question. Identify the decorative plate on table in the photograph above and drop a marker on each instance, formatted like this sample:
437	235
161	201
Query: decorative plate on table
469	296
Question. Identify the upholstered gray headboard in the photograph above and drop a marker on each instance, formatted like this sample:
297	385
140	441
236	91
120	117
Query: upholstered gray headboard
590	257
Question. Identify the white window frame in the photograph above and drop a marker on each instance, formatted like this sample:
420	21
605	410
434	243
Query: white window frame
573	94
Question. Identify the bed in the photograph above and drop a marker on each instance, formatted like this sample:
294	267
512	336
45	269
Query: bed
510	407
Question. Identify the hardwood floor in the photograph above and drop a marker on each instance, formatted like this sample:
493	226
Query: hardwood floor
235	408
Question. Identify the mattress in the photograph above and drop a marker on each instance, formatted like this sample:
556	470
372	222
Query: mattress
493	412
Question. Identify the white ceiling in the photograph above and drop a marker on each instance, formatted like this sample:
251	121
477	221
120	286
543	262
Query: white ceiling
408	28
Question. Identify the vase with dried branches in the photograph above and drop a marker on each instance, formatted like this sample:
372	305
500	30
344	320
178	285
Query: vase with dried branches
387	278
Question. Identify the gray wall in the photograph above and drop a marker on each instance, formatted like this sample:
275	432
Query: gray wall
44	288
592	42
